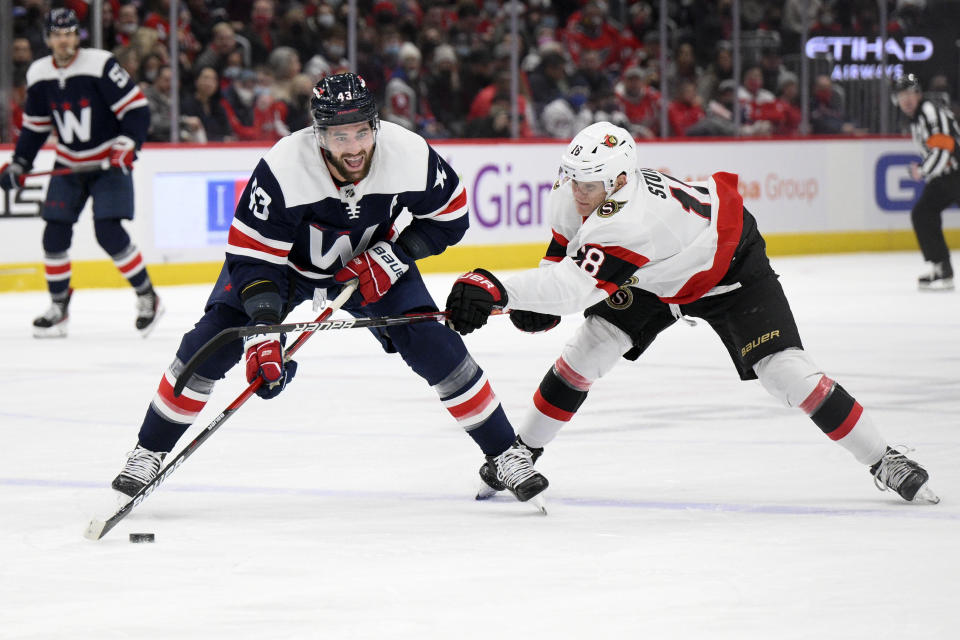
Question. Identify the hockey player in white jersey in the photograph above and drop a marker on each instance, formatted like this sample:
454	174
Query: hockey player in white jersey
639	249
320	210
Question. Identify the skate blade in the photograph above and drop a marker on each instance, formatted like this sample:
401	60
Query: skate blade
926	496
147	330
485	491
538	503
56	331
937	286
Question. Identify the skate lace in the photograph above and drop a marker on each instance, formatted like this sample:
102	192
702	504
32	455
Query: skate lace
142	464
894	469
515	465
145	305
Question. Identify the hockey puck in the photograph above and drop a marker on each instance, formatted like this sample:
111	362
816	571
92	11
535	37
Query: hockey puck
141	537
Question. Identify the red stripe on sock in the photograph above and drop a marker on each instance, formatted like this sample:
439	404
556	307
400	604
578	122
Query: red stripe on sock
183	403
57	270
549	410
847	425
474	405
817	396
133	264
575	380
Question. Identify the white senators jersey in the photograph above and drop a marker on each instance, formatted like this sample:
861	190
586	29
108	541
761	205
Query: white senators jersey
674	239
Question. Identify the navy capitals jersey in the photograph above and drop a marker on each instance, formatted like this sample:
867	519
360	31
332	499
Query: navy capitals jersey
292	215
89	102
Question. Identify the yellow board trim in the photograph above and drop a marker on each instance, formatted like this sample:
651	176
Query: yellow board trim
90	274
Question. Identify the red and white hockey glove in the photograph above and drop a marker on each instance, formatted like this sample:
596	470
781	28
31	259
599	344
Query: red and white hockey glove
377	269
264	356
472	299
123	153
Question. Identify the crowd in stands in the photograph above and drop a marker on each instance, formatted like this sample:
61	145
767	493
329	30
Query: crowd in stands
442	69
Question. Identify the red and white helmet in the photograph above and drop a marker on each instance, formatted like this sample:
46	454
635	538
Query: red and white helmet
600	152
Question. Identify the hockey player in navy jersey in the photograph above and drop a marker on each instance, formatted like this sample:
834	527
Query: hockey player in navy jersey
638	249
318	211
101	118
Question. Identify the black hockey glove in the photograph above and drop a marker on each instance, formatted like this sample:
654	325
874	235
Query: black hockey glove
532	321
10	174
472	298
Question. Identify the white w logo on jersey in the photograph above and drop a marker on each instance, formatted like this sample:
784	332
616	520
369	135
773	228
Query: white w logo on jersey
341	248
68	125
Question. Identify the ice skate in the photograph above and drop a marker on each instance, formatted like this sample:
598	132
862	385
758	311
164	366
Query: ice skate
515	472
53	323
940	278
142	466
898	472
149	311
489	484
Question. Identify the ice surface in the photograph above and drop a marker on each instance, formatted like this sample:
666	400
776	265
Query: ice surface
683	502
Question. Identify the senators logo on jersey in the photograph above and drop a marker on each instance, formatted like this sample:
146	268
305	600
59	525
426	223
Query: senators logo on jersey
609	207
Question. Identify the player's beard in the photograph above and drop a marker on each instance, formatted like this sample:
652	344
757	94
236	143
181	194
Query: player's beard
348	174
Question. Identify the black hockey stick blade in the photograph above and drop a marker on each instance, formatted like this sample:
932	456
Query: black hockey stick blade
235	333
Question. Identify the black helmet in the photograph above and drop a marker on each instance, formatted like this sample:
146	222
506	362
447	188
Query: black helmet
905	82
343	99
62	20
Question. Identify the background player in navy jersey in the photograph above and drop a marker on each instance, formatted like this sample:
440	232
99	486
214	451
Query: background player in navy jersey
101	118
318	211
935	131
638	249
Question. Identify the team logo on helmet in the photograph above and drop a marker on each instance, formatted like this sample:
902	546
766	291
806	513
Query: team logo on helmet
609	207
609	140
317	91
622	297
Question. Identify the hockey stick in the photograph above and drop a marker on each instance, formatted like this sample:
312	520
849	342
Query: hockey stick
66	171
99	528
234	333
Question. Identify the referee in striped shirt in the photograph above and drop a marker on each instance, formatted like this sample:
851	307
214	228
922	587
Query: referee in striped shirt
933	128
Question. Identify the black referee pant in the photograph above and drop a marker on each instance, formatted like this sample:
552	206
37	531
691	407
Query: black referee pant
927	216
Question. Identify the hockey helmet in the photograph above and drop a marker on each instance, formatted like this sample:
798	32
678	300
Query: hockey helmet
600	152
905	82
62	20
343	99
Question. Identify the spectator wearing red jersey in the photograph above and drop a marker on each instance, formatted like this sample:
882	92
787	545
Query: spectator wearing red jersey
253	114
788	102
640	101
686	110
588	30
754	98
480	107
261	31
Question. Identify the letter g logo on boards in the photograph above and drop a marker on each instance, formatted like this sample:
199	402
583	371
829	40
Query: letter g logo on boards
894	189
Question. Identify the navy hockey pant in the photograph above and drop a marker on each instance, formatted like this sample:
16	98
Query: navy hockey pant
434	352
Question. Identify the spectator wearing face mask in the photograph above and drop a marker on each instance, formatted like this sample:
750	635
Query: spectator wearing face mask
405	101
261	32
252	112
125	25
